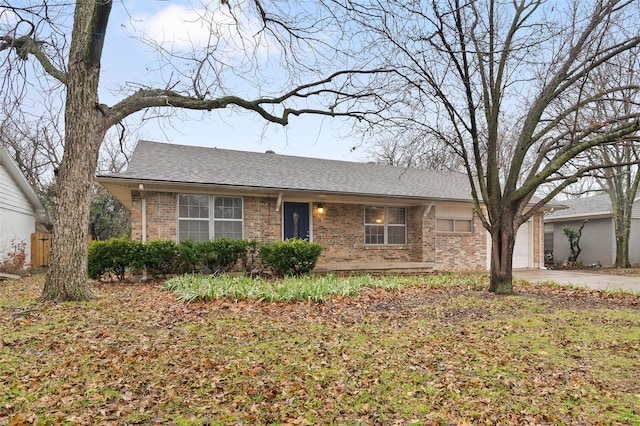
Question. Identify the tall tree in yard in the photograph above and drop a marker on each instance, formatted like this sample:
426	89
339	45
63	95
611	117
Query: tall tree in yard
29	32
509	88
621	177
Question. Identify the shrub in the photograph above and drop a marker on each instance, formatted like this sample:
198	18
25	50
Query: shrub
16	258
161	257
251	262
290	257
115	255
227	252
188	253
218	255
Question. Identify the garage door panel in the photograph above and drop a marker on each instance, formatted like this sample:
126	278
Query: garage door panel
522	248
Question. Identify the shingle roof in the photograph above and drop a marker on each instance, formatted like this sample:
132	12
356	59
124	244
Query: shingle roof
598	204
200	165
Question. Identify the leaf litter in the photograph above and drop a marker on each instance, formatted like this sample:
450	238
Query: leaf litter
417	355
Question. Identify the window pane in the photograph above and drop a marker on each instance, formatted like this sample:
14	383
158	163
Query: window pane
227	208
374	215
396	235
227	229
196	230
193	206
463	225
374	234
396	215
237	208
444	225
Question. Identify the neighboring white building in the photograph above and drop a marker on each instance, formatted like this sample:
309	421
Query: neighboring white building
19	207
598	241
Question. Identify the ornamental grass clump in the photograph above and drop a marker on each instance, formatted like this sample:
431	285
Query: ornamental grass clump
193	288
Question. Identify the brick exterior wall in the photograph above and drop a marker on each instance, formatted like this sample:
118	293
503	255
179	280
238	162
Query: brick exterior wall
462	252
340	230
161	216
261	220
538	240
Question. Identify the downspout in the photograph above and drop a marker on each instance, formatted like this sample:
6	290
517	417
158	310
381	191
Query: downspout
143	220
425	213
144	213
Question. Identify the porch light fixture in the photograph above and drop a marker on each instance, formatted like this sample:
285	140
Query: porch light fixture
320	208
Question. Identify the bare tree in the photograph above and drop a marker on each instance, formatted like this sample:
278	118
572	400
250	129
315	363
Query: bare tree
294	40
621	177
406	149
508	86
34	144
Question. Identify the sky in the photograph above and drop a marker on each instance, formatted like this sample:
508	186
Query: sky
125	60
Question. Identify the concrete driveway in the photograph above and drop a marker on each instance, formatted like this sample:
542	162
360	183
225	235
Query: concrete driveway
577	278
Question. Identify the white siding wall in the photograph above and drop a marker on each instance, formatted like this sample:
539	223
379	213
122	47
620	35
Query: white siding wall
597	242
17	218
635	210
634	242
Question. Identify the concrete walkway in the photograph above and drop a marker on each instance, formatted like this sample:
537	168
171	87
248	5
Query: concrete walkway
584	279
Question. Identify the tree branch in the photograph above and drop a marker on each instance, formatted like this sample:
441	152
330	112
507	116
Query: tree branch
25	46
160	98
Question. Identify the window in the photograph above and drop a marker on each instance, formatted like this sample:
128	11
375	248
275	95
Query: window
385	225
193	217
227	217
454	219
453	225
195	221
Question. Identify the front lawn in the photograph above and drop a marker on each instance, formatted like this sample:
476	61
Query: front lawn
437	350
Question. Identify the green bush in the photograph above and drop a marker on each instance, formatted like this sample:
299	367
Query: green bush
291	257
228	251
161	257
218	255
189	254
251	262
115	255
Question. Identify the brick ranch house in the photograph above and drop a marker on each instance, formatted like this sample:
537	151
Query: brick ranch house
366	216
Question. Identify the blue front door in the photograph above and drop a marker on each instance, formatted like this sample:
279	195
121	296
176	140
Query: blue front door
296	221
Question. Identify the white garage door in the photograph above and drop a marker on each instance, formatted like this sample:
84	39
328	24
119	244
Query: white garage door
522	248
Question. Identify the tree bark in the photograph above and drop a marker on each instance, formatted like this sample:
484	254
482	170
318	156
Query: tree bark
622	225
84	132
502	244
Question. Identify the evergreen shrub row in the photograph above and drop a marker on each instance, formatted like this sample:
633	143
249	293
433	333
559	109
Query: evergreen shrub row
162	257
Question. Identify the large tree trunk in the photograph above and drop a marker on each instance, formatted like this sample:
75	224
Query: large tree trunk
84	132
67	274
502	244
622	224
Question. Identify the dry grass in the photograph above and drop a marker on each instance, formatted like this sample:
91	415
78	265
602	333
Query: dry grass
443	353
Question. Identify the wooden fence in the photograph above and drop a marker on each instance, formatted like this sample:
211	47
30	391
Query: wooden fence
40	248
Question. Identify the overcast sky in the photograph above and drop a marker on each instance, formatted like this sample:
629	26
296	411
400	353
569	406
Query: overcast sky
125	60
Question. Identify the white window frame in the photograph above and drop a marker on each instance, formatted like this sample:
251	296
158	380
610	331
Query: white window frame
386	226
211	219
